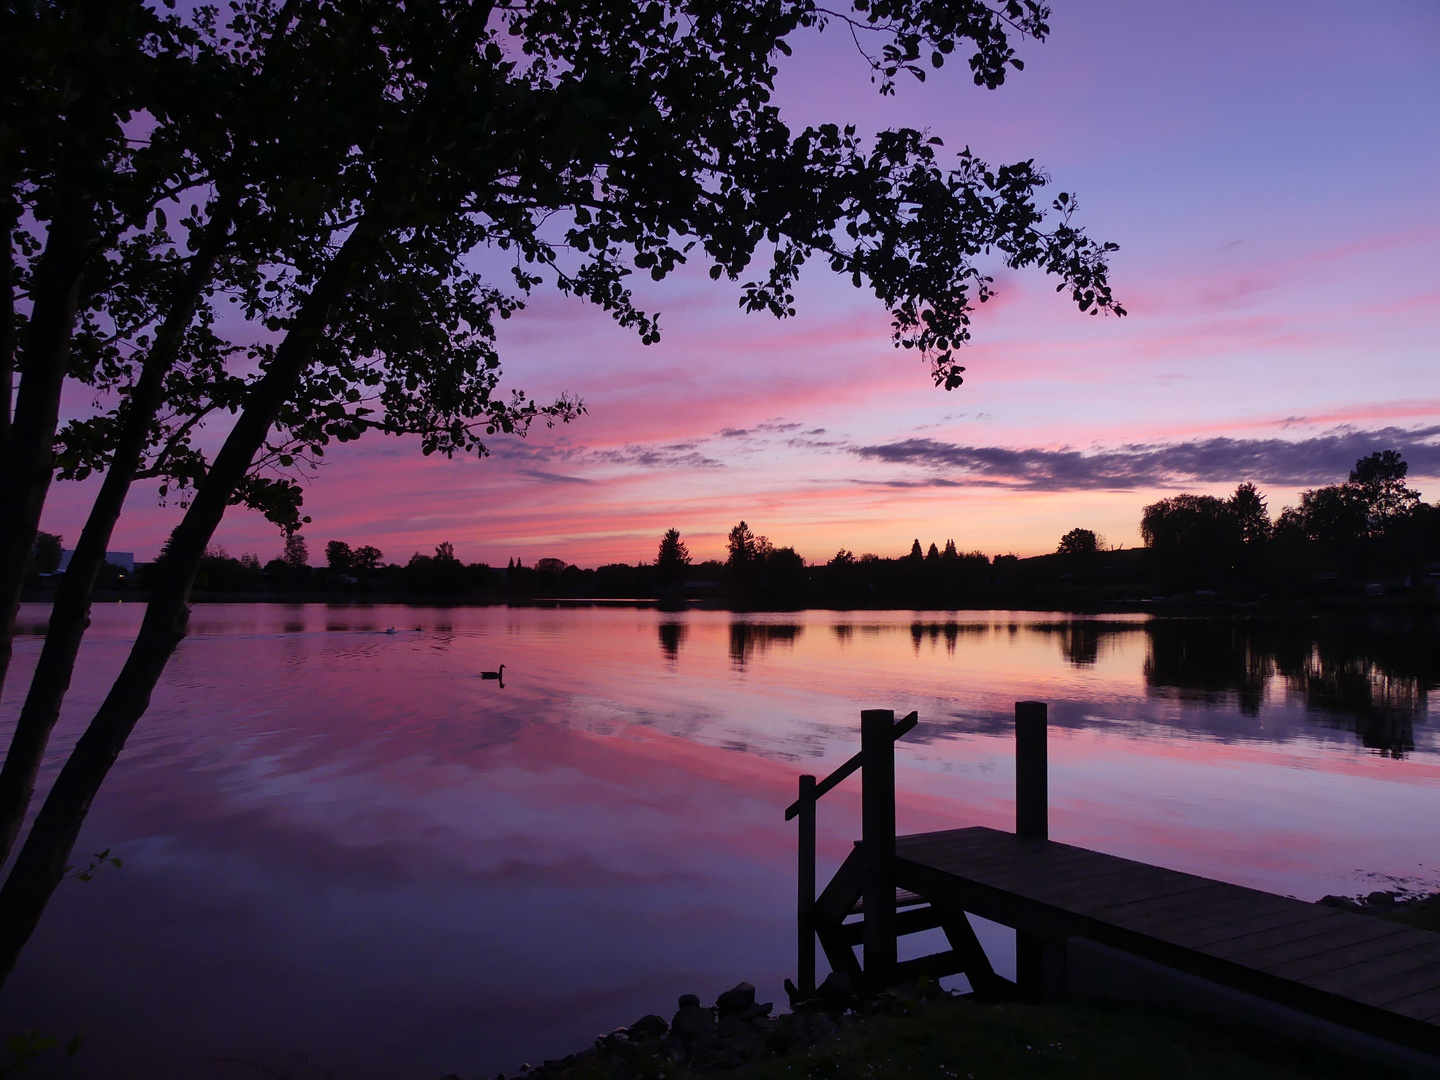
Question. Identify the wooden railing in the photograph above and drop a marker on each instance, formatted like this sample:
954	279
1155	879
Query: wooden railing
871	871
878	732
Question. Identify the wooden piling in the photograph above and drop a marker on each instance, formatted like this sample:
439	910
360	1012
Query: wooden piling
877	753
1039	964
1031	798
805	909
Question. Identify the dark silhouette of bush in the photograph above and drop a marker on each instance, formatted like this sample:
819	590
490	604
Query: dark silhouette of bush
1194	540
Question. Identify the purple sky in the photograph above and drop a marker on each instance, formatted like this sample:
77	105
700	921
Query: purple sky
1270	172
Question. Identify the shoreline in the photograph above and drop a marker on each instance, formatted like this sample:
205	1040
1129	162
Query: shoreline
924	1030
1168	606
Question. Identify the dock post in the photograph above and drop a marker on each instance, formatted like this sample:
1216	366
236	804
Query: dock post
1039	964
877	755
805	910
1032	816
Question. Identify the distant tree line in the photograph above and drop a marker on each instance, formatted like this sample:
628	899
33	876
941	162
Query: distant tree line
1369	535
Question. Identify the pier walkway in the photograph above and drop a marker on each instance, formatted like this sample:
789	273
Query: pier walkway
1068	905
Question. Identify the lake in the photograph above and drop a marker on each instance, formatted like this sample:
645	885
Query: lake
342	847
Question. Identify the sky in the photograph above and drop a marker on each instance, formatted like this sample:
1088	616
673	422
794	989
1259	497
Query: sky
1270	174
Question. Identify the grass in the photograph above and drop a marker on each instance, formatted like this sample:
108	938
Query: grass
1423	912
949	1039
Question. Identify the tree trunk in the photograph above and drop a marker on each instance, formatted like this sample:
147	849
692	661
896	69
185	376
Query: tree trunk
70	614
8	220
42	860
27	463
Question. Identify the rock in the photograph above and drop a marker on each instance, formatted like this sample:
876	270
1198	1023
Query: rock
737	999
651	1026
757	1010
693	1022
792	992
688	1000
836	990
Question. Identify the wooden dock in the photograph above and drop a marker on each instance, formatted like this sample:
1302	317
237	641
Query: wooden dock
1366	975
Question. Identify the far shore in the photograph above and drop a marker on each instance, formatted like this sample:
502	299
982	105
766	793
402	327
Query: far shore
1059	602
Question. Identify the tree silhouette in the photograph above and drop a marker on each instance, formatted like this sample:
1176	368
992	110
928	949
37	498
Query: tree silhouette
1248	506
339	557
1380	478
1193	538
672	558
1078	542
297	551
49	550
367	559
744	548
347	162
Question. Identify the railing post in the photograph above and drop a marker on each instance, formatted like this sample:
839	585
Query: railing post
877	801
1031	800
805	909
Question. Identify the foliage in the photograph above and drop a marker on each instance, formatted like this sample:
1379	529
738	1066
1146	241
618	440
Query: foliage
672	558
48	552
1380	481
30	1048
1372	524
366	558
745	549
947	1038
366	190
99	859
338	556
297	551
1193	537
1251	514
1078	542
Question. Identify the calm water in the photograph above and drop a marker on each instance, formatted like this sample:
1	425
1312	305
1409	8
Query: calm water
343	844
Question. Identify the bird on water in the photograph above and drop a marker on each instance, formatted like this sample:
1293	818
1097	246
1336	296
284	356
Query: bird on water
494	674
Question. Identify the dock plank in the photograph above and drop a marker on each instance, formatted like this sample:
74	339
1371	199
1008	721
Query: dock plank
1379	959
1227	916
1372	975
1296	939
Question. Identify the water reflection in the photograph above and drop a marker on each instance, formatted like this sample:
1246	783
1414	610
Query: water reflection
1081	640
1208	661
347	842
749	638
672	636
1371	676
950	630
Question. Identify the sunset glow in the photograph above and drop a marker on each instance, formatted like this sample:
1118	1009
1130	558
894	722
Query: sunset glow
1271	189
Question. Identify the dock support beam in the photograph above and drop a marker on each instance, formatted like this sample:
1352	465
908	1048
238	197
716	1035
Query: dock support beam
877	811
805	909
1039	964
